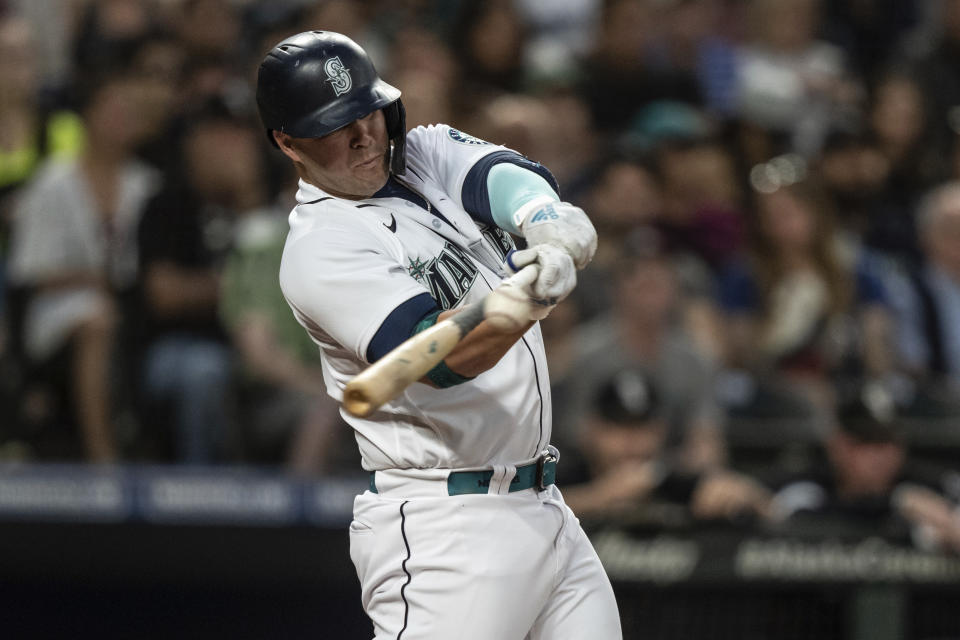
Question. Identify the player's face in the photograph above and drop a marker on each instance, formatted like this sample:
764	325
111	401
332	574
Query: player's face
351	162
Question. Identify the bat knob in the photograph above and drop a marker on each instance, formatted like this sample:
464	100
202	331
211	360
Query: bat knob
357	402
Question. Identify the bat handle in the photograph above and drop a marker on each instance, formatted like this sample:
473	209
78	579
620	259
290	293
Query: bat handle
385	379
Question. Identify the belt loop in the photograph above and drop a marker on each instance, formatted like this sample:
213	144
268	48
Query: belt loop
496	480
506	482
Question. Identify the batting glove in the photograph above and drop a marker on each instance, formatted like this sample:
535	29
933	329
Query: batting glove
557	276
559	224
523	304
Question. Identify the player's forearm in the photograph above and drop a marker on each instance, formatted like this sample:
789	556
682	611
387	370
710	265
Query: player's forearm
480	349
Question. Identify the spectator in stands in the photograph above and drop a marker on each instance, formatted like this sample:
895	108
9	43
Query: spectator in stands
617	79
417	49
622	195
572	128
928	308
799	311
32	130
871	32
693	41
341	16
897	126
489	40
108	31
628	464
788	81
209	29
159	60
703	201
521	122
217	62
184	237
559	33
853	172
646	328
868	485
287	416
430	98
953	159
934	66
73	255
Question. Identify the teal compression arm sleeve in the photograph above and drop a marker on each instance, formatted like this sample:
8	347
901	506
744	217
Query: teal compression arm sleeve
510	187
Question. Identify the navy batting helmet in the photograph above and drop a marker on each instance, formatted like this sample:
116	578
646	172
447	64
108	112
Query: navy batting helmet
316	82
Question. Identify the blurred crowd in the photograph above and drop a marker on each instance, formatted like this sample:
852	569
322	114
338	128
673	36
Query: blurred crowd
772	317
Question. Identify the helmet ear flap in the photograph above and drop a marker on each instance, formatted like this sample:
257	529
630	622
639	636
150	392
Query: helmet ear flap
396	120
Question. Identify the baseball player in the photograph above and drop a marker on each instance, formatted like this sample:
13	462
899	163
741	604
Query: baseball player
462	533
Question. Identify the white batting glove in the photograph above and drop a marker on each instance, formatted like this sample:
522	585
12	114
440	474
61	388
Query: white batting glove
511	305
559	224
557	276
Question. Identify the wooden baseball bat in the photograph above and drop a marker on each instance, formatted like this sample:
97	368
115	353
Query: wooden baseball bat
408	362
385	379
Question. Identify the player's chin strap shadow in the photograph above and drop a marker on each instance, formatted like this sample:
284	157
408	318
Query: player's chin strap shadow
396	117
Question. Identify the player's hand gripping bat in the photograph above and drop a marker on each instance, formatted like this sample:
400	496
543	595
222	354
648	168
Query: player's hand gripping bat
507	307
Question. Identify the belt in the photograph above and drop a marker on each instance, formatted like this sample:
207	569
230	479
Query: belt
537	475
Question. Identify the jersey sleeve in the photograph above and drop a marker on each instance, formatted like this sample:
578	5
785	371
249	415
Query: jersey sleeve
460	163
344	288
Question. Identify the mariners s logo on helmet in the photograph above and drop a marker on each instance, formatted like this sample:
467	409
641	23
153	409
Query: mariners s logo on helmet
338	75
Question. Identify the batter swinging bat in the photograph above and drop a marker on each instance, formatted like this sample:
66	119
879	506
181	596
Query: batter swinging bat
411	360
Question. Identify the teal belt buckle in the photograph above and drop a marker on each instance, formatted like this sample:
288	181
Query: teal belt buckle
546	472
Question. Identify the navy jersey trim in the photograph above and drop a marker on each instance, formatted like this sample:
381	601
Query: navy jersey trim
403	589
318	200
400	325
474	195
396	189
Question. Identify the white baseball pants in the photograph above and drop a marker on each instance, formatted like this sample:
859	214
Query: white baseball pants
513	566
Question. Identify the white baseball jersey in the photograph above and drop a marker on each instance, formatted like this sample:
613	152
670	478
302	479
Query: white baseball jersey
349	264
460	566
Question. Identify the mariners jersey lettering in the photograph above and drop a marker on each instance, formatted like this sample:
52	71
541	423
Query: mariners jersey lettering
348	264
